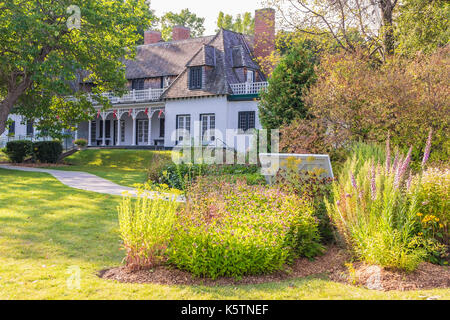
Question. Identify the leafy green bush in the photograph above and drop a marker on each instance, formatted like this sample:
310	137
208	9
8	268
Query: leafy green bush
146	225
47	151
180	176
310	186
375	209
81	142
18	150
234	229
434	203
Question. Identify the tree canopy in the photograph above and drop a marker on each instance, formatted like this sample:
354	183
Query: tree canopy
47	47
185	18
283	100
422	26
243	23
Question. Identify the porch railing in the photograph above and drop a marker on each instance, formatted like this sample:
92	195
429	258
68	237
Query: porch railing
248	87
133	96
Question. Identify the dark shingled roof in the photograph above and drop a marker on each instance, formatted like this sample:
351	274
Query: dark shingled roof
222	55
163	58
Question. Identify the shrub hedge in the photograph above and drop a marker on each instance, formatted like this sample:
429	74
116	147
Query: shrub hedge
18	150
47	151
43	151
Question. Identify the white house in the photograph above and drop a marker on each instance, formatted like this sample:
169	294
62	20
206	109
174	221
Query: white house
187	88
198	86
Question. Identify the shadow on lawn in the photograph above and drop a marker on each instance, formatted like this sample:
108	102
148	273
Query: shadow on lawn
41	217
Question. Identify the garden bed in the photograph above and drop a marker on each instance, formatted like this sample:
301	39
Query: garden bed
426	276
331	264
332	261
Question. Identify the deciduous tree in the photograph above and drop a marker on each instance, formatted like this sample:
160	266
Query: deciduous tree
44	44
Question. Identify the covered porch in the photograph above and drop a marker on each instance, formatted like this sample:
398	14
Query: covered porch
126	127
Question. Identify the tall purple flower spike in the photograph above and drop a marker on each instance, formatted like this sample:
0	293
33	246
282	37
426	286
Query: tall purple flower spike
396	161
354	182
388	154
406	163
426	155
408	183
373	185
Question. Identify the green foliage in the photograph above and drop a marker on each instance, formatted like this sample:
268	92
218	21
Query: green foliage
81	142
18	150
47	151
422	26
235	229
40	56
375	209
359	100
311	186
434	203
242	23
146	225
180	176
283	100
184	18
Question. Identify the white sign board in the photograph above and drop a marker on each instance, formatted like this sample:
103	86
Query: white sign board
271	163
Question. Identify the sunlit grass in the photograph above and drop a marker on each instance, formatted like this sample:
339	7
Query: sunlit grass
3	157
46	227
124	167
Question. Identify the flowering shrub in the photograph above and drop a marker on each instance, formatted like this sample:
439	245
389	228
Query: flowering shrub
375	208
146	224
235	229
310	186
81	143
433	201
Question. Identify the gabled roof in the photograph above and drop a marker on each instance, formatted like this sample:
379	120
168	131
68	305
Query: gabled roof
163	58
217	79
222	55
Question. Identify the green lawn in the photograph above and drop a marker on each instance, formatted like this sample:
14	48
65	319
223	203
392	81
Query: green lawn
46	227
124	167
3	157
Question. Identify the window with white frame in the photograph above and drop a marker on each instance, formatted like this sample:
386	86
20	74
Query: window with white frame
208	122
250	76
183	126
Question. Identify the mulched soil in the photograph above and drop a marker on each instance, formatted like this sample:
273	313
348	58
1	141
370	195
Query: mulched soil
332	264
427	276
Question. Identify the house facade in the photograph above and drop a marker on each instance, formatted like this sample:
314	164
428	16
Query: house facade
204	89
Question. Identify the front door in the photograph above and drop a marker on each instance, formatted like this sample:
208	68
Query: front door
142	132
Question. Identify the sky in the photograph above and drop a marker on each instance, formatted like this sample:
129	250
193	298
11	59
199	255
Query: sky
206	9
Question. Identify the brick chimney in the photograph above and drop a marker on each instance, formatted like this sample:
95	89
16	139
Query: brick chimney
152	37
180	33
264	36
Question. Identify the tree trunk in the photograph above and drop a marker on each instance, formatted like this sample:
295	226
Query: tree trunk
387	8
8	103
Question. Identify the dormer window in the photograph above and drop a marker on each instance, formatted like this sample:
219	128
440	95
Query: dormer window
195	78
250	76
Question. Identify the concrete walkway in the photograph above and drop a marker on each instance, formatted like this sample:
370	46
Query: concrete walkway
86	181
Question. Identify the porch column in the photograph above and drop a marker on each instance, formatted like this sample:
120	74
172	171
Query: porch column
150	116
104	132
90	134
119	131
134	130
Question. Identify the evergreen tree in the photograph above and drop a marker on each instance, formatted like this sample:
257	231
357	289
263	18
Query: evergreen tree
283	102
